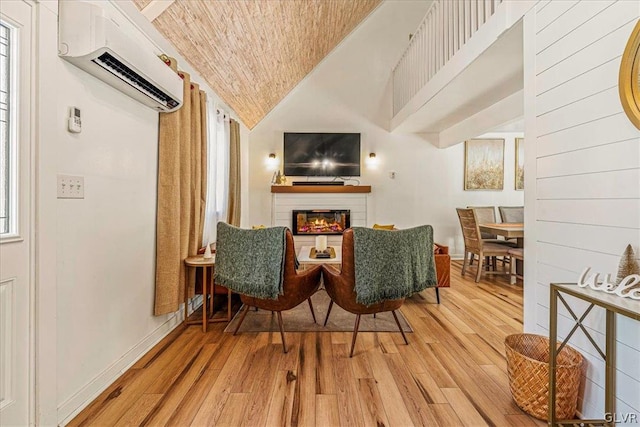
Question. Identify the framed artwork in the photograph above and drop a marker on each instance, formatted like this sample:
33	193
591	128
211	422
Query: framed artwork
484	164
629	77
519	163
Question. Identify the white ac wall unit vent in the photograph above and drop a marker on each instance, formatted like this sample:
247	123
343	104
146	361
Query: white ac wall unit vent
116	53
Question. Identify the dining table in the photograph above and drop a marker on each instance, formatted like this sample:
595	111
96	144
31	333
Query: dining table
509	230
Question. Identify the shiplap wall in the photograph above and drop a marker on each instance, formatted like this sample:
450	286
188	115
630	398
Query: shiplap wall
587	203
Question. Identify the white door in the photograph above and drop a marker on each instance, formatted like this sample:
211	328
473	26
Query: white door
16	207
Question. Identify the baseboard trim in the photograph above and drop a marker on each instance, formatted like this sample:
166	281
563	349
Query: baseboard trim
76	403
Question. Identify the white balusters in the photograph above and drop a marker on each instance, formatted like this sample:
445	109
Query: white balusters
447	26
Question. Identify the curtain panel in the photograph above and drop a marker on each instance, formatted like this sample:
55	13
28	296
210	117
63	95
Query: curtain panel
233	217
182	188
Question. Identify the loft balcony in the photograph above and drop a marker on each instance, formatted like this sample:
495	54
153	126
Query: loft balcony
462	71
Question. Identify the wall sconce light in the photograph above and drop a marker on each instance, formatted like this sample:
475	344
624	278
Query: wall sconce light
372	161
272	162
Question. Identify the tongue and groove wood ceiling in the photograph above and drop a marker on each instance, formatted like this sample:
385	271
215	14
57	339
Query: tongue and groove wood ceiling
253	52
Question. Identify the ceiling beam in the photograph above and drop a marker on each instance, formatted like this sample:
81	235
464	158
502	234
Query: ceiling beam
155	8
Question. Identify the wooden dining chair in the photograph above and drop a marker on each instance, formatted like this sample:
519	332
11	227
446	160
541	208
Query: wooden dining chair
475	245
518	254
487	215
512	213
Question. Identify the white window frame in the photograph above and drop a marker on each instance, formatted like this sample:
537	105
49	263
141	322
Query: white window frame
13	233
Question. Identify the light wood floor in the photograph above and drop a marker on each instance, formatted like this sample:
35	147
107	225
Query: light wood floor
452	373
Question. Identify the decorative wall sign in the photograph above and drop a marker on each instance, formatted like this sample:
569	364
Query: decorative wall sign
629	77
629	287
519	163
484	164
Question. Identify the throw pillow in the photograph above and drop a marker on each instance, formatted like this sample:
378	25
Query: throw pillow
384	227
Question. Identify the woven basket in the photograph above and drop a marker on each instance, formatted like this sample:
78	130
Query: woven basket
528	368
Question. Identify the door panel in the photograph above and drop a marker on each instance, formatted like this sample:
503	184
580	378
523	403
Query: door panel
16	377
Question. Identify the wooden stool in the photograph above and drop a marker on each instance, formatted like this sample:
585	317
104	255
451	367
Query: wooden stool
208	287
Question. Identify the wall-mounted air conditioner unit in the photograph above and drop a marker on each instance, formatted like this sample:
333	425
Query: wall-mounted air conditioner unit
93	41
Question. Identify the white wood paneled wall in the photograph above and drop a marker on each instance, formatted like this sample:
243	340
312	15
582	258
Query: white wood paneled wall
284	203
587	204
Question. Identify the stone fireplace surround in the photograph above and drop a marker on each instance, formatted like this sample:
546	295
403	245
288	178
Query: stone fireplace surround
286	199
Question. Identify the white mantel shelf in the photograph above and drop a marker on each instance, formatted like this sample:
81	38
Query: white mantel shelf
321	189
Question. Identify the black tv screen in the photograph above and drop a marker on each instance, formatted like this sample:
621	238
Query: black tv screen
321	154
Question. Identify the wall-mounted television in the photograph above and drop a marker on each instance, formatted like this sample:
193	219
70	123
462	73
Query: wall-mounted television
321	154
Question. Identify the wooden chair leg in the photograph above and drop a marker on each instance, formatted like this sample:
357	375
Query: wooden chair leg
374	315
328	313
244	314
355	334
464	263
313	314
395	316
481	262
471	260
284	344
437	295
512	267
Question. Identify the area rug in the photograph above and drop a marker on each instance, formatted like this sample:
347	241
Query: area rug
299	319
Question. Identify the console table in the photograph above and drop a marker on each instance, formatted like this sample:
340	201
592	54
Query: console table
613	305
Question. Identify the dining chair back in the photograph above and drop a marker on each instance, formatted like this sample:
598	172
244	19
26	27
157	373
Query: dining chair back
512	213
475	245
485	214
470	229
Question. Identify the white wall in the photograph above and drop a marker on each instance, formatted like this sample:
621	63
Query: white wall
587	173
97	255
349	92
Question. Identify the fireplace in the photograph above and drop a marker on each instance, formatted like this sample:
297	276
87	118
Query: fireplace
319	222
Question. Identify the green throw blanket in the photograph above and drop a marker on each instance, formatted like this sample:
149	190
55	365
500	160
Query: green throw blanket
250	262
393	264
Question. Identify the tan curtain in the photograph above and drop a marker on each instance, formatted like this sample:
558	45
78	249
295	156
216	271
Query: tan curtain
234	174
181	194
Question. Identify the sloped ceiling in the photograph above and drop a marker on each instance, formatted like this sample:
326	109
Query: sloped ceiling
253	52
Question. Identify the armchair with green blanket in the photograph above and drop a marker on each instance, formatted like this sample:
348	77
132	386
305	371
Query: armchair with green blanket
260	265
379	270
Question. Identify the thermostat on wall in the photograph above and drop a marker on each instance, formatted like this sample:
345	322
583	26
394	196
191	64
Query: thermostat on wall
74	122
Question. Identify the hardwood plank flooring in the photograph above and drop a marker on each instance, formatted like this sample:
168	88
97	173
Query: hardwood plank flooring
452	373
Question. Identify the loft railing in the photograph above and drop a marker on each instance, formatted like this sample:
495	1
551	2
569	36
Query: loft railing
446	27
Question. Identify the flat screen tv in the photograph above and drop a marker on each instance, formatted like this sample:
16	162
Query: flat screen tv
321	154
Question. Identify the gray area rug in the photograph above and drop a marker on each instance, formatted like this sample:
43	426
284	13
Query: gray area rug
299	319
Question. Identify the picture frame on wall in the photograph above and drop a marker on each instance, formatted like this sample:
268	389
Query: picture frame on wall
519	176
484	164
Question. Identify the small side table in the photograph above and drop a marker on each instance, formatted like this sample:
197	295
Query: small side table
208	288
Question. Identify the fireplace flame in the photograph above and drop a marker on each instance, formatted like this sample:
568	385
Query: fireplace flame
320	225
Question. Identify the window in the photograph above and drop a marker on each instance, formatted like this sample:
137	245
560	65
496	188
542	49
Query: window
217	171
7	137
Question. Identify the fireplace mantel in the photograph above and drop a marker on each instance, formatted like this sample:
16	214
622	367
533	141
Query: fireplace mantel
321	189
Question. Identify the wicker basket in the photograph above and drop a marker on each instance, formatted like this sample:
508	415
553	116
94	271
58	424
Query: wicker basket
528	368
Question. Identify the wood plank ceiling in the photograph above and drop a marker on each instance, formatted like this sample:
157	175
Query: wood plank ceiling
252	53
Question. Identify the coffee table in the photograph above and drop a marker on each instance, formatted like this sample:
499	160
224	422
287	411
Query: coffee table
306	262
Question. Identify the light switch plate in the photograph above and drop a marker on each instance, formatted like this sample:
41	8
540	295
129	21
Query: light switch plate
70	187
